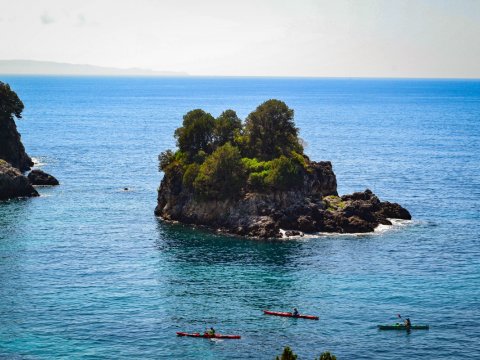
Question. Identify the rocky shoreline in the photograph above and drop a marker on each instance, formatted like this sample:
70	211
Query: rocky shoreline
312	208
252	178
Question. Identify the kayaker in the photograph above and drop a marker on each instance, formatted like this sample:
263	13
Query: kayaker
408	324
210	332
295	312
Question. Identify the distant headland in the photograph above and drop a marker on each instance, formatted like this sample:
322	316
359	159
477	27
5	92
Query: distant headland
34	67
252	178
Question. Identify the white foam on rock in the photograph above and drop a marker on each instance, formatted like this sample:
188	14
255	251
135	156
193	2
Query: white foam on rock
380	229
38	162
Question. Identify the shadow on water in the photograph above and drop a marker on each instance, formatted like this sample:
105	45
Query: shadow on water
194	245
199	267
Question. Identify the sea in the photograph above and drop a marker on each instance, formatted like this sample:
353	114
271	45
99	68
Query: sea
88	272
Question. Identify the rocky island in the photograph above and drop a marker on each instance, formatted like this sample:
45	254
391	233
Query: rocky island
14	160
252	178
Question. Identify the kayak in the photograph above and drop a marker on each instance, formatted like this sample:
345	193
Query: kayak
398	326
289	314
206	336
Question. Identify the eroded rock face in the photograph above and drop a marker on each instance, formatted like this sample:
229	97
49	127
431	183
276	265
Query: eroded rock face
39	177
11	147
314	207
13	183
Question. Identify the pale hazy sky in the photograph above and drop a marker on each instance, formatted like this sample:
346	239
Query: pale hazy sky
385	38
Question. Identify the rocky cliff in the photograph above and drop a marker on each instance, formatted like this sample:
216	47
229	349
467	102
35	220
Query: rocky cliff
314	206
11	147
13	183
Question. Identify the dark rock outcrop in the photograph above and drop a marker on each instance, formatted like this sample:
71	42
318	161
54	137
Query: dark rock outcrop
11	147
13	183
38	177
313	207
13	158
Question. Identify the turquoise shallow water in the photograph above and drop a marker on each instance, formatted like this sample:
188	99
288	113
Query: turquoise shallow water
87	271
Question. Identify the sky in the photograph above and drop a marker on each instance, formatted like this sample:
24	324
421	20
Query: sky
314	38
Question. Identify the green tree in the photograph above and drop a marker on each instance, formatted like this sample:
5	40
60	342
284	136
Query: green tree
270	131
196	133
327	356
164	159
227	126
287	354
222	174
10	103
284	173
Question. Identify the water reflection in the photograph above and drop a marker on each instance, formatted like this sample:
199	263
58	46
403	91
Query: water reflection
206	270
193	245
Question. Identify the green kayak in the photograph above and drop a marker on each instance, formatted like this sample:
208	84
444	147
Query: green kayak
398	326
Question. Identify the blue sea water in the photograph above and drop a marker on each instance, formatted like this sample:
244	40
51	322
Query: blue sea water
88	272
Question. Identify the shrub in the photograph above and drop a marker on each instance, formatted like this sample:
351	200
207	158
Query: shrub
222	175
165	158
256	181
191	172
253	165
284	174
287	354
327	356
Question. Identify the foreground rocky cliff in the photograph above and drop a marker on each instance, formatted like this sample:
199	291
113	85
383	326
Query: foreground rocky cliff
254	180
13	158
11	147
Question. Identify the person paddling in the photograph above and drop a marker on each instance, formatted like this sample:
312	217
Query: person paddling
210	332
295	312
406	322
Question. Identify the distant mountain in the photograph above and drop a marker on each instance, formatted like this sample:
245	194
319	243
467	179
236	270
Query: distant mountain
33	67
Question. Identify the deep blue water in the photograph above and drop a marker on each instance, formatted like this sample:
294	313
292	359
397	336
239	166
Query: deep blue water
87	271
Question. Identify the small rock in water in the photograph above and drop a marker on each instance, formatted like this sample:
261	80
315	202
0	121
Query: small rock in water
39	177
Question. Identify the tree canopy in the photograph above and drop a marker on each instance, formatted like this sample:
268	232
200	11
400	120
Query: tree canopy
10	103
220	158
196	134
227	126
270	131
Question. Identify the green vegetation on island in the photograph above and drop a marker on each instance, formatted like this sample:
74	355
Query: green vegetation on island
252	178
10	104
218	157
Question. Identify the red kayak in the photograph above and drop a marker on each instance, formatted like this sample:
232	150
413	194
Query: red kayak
207	336
289	314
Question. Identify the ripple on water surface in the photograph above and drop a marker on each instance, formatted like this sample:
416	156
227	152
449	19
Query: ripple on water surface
87	271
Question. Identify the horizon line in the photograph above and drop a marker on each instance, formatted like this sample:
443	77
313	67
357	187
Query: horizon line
179	76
